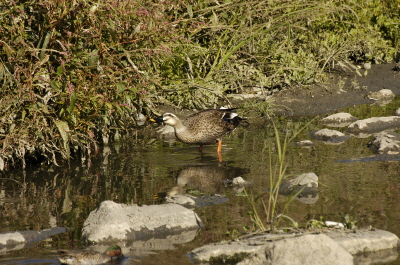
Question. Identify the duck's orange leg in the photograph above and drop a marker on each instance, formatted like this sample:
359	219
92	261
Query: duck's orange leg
219	150
201	148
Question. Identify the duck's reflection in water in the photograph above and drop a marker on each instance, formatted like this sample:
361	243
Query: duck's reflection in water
195	180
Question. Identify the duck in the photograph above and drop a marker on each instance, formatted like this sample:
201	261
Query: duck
89	257
204	127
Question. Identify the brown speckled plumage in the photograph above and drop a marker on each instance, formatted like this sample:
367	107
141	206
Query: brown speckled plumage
204	127
89	257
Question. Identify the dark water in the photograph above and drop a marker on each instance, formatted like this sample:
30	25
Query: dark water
352	181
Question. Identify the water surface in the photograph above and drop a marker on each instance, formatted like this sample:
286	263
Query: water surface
352	181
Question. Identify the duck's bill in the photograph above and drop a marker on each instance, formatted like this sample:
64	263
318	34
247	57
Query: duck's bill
158	119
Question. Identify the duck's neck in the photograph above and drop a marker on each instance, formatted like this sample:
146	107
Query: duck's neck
179	126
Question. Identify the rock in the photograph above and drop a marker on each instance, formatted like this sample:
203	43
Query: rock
375	124
238	181
330	136
367	65
148	246
116	222
192	201
305	144
361	241
382	97
182	199
341	119
383	94
329	247
309	180
386	256
305	249
385	143
307	183
238	184
332	224
21	239
397	112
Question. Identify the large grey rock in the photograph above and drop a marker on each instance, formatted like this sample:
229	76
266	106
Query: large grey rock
361	241
116	222
306	249
329	247
385	143
375	124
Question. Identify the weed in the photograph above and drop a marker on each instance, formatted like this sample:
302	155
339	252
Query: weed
76	73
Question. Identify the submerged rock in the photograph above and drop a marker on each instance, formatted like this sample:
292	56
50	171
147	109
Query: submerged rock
116	222
330	136
385	143
341	119
306	184
375	124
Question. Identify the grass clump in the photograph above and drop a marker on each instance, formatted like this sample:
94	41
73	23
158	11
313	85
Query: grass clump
73	73
273	208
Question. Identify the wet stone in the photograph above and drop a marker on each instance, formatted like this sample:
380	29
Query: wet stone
383	94
327	247
329	136
116	222
192	201
306	184
375	124
385	143
305	143
341	119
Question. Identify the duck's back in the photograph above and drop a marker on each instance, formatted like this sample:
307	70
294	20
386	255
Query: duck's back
207	126
88	257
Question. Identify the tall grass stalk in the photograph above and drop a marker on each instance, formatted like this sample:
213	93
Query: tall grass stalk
277	174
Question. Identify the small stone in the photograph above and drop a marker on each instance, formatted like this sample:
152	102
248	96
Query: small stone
340	119
331	136
382	94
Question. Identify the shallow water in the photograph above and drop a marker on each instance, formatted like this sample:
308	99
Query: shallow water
352	181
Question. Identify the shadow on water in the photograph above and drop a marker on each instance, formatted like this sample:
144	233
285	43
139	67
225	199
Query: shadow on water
141	170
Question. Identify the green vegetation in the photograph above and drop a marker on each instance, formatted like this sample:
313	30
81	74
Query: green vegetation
274	210
73	73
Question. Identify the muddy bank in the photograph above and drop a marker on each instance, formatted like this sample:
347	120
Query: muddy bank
343	89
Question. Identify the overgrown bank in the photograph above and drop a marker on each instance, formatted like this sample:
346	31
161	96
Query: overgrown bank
74	73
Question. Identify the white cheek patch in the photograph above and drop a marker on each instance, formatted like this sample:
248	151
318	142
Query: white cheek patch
229	116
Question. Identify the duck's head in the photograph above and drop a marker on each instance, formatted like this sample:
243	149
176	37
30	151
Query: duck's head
167	118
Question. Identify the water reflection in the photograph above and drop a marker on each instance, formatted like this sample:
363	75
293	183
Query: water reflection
208	177
134	171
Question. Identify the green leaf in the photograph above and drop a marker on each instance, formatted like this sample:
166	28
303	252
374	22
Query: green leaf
56	85
64	131
72	100
120	86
